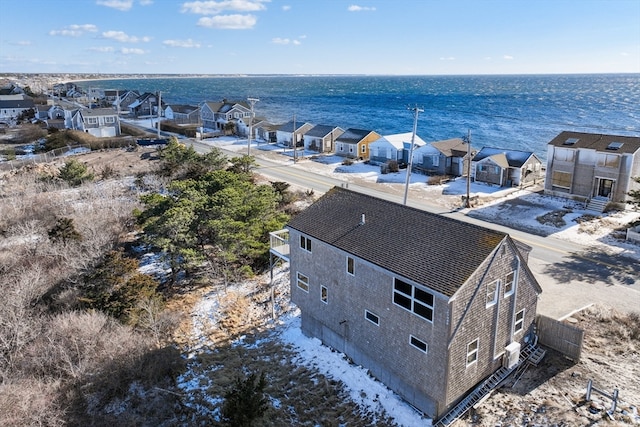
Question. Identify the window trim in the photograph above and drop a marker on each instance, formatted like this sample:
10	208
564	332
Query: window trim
370	316
324	294
305	243
511	284
496	291
304	279
413	338
353	266
473	352
517	322
412	300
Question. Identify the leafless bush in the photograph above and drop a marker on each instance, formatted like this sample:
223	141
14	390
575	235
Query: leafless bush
30	403
28	133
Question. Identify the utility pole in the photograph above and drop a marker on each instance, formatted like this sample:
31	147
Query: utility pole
252	101
415	110
295	149
468	201
159	108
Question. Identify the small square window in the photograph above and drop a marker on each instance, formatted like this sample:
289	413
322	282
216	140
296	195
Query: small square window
492	292
351	268
324	296
371	317
519	323
419	344
472	352
302	282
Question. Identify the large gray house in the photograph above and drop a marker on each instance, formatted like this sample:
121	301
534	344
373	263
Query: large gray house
429	304
593	167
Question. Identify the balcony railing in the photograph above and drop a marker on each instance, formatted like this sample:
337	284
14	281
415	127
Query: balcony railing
279	243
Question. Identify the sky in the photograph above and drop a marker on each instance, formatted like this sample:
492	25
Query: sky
389	37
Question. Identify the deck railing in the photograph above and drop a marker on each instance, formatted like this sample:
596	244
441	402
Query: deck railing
279	243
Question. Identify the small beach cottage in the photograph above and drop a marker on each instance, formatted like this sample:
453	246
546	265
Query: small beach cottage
354	143
429	305
284	133
99	122
594	168
506	168
322	138
447	157
393	147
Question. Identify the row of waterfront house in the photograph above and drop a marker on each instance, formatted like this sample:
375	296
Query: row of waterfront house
595	168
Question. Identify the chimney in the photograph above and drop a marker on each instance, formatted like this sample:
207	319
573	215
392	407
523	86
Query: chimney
362	221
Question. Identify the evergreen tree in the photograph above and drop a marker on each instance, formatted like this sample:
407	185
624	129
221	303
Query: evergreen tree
635	194
245	402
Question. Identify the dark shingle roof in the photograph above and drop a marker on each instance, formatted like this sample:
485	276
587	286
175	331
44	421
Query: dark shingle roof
320	130
595	141
451	147
353	136
438	252
514	158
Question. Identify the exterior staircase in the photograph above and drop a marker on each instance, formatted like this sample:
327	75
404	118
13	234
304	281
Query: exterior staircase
530	354
597	204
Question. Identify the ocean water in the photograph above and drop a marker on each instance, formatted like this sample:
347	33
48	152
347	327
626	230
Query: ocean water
519	112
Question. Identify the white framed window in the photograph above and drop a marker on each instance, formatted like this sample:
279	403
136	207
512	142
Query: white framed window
472	352
418	343
564	154
413	299
492	292
509	284
371	317
608	160
109	119
561	179
324	294
302	282
351	266
305	243
92	120
519	322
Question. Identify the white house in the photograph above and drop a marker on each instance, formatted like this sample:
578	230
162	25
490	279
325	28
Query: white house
100	122
284	134
393	147
11	106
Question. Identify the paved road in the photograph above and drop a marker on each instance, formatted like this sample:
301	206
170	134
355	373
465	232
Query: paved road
571	275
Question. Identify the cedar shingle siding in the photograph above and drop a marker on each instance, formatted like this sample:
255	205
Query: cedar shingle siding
446	265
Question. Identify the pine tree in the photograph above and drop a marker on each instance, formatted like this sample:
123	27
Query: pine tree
246	401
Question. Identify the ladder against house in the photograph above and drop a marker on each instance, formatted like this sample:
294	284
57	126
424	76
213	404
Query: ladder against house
530	354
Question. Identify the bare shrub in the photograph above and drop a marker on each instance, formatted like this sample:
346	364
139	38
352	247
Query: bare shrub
28	133
31	403
393	166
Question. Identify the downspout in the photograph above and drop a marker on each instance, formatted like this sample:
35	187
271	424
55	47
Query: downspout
514	303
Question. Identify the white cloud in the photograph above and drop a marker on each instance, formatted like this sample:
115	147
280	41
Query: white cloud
122	37
286	8
131	51
74	30
23	43
507	57
181	43
228	22
624	54
280	40
447	58
101	49
356	8
122	5
215	7
146	2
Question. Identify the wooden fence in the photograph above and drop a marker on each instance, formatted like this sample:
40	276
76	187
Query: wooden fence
560	336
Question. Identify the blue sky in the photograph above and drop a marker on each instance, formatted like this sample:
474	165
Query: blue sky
426	37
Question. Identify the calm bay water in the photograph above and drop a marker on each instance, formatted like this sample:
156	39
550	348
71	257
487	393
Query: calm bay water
516	112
